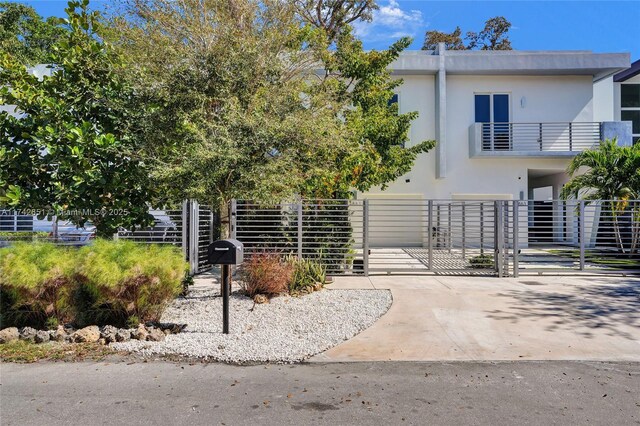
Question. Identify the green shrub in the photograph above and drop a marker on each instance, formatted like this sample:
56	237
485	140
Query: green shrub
306	272
37	282
482	261
122	279
23	235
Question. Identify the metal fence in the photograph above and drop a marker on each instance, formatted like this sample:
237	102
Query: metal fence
493	237
384	236
192	227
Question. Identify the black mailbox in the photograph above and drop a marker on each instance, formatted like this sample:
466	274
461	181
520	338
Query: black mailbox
225	252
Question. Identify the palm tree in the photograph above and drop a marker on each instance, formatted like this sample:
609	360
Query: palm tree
613	174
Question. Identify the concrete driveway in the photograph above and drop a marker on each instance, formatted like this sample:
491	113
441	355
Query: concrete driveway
474	318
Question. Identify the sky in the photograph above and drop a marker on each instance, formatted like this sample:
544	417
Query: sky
600	26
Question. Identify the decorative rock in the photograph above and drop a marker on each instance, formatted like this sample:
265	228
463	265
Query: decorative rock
123	335
260	298
102	341
58	334
87	334
9	334
108	333
28	333
140	333
317	286
155	335
41	336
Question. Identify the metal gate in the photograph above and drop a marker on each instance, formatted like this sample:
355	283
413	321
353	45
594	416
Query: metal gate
490	237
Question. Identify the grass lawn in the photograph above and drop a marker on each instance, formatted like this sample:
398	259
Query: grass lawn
26	352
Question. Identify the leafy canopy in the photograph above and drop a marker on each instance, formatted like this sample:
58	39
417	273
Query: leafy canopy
608	172
74	145
494	36
376	153
25	35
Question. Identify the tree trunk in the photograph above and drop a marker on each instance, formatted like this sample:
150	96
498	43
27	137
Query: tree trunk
616	227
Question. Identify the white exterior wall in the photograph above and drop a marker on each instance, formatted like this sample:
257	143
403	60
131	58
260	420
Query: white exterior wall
603	100
548	99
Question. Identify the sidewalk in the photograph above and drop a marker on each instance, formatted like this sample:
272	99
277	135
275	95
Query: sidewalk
436	318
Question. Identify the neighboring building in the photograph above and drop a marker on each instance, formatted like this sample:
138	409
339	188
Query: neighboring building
506	123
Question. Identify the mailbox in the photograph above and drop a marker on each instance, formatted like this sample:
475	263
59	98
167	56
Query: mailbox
225	252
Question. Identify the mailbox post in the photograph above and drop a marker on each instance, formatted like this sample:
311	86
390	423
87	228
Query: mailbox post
225	253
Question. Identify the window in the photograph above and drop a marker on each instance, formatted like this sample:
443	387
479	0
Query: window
630	107
393	100
493	110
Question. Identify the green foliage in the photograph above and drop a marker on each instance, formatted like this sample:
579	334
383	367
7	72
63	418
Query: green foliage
22	235
76	144
482	261
131	279
45	284
237	96
494	36
25	35
306	272
609	172
38	283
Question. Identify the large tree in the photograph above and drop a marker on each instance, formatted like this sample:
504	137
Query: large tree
25	35
494	36
73	150
238	97
377	152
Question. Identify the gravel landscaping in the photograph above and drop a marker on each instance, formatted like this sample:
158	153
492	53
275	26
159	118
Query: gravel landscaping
289	329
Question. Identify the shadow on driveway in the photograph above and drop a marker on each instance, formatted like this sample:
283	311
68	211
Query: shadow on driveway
610	307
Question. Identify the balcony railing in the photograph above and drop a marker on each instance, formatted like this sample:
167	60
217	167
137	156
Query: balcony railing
532	139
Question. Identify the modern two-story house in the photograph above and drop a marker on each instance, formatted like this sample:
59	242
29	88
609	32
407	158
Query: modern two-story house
507	124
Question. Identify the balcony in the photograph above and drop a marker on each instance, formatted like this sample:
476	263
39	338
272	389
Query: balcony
534	139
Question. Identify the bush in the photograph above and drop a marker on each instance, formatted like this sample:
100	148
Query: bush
266	273
106	282
122	279
37	284
23	235
306	272
482	261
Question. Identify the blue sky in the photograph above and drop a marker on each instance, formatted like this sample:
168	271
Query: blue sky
601	26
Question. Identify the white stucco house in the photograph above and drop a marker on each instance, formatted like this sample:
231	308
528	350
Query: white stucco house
506	122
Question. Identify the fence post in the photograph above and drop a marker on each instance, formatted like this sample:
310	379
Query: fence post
365	236
449	225
194	225
499	237
581	232
233	213
464	225
211	226
300	229
516	248
430	239
185	229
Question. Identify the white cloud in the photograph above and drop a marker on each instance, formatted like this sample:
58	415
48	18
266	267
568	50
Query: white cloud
391	22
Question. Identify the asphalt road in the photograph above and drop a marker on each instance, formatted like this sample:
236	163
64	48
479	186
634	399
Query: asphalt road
393	393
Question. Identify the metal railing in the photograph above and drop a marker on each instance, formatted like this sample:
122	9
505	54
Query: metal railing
539	137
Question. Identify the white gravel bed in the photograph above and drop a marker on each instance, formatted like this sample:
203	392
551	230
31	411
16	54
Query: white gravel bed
287	330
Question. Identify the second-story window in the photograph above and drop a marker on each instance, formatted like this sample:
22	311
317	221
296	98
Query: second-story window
630	107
